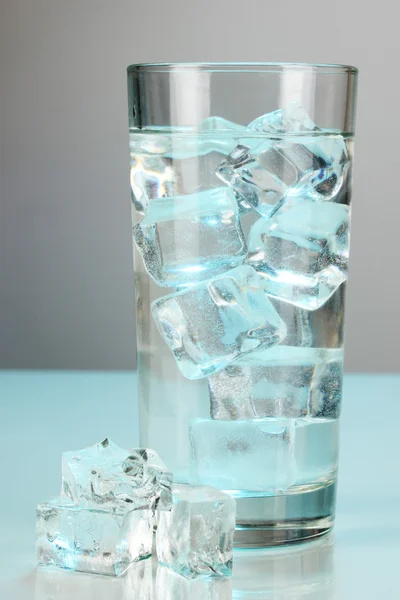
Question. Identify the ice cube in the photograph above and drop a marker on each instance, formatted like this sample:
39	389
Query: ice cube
302	251
211	324
92	538
196	537
293	118
316	450
171	586
283	381
112	476
254	455
188	239
152	177
320	328
313	164
213	134
255	187
327	144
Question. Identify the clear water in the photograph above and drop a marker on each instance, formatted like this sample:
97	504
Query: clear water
250	406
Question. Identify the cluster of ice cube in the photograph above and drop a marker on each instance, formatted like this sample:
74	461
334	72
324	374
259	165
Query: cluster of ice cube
103	521
233	283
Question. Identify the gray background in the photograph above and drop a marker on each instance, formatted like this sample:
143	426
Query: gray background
65	241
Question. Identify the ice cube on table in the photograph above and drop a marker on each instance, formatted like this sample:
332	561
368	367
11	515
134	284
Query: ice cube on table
283	381
187	239
256	455
112	476
210	325
92	538
302	251
171	586
196	537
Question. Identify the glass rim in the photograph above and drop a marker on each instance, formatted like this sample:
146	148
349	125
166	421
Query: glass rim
243	67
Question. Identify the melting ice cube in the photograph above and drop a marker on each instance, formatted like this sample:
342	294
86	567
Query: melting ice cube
92	538
109	475
187	239
209	325
283	381
302	251
196	537
302	159
253	455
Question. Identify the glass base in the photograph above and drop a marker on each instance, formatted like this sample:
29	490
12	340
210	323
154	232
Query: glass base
266	521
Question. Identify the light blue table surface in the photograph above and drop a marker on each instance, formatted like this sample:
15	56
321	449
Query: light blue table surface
44	413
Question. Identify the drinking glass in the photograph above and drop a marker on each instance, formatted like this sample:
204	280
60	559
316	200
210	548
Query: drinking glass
241	186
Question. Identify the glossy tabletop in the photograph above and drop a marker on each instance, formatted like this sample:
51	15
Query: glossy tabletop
44	413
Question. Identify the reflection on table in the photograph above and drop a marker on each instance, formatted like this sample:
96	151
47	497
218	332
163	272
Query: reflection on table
301	572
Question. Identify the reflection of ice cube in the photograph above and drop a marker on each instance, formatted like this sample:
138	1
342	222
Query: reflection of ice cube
187	239
316	450
196	537
211	324
171	586
112	476
253	455
55	584
92	538
302	251
283	381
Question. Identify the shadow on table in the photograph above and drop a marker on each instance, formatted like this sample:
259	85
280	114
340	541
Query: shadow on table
300	572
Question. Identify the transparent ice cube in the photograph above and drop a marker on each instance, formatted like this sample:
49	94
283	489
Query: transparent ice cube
187	239
283	381
254	455
92	538
171	586
320	328
196	537
255	187
262	173
302	251
213	134
211	324
325	144
112	476
291	119
152	177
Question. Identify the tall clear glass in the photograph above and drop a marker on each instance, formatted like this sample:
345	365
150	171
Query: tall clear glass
241	185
